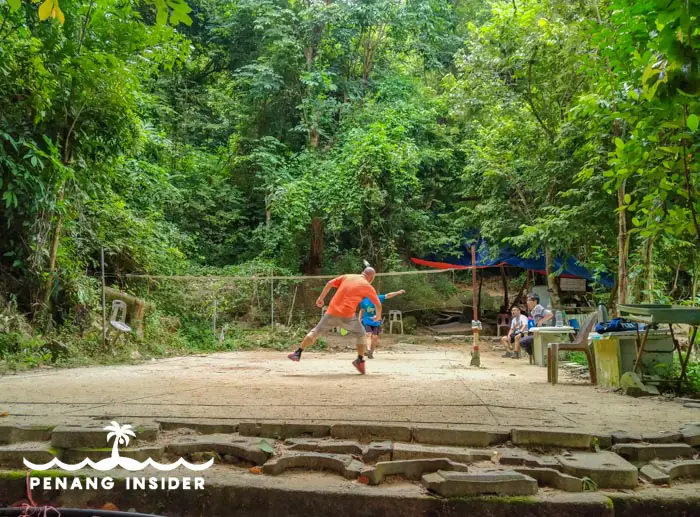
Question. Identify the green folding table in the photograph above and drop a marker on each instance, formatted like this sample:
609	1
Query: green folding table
659	315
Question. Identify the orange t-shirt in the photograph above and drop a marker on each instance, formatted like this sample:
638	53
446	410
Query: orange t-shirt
352	289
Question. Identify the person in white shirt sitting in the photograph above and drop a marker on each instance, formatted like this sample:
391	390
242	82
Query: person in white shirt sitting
518	326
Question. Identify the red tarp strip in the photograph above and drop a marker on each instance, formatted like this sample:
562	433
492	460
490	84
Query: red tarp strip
445	265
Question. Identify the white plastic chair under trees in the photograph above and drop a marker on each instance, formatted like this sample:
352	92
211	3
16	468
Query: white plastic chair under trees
117	320
395	317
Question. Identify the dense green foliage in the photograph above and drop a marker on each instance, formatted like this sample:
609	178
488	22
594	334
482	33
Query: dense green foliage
309	134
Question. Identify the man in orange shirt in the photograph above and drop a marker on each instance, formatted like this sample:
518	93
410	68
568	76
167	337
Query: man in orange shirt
351	290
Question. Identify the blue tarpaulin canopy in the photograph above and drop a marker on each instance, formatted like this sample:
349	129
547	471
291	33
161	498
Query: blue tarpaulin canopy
494	256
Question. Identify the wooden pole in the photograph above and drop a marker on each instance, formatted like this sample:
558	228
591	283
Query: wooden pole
272	302
527	282
475	296
104	305
476	358
291	310
506	298
213	320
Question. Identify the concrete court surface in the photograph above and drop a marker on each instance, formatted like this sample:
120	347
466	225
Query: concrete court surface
405	384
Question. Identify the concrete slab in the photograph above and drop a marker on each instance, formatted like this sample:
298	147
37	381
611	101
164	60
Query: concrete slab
552	478
202	427
691	434
327	446
281	431
549	438
414	451
367	433
654	475
378	451
246	450
625	437
643	452
606	468
460	437
679	468
95	436
502	455
409	469
342	464
662	437
137	453
37	452
457	484
16	433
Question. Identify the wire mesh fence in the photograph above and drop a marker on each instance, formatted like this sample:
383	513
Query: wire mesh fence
216	308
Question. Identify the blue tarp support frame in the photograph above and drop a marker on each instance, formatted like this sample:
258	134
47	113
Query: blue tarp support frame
494	256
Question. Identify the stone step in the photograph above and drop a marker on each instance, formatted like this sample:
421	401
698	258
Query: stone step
643	452
459	484
235	448
13	455
606	468
229	493
95	437
409	469
342	464
18	433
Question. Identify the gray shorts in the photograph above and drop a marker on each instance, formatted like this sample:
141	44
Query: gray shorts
328	322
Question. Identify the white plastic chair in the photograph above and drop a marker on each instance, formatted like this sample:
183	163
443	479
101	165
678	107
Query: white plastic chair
117	319
395	317
503	321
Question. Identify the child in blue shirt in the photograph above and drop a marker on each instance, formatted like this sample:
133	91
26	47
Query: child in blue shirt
373	328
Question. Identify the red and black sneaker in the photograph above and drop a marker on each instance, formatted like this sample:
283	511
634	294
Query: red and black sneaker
295	356
360	365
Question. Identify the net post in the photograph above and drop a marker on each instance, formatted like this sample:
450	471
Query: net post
213	321
476	324
104	305
272	300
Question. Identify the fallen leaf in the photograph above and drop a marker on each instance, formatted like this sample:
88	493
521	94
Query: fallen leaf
110	506
255	470
266	447
4	413
363	479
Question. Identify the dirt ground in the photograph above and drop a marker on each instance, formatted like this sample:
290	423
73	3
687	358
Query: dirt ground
405	384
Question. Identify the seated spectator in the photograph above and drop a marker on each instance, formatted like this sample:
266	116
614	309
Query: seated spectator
518	325
540	316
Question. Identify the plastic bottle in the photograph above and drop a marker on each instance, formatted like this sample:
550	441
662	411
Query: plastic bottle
559	319
602	313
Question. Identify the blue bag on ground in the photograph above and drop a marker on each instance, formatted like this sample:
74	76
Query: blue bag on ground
618	325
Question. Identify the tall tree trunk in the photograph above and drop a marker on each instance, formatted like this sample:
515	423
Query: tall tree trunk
45	309
622	248
649	267
552	285
481	283
505	287
316	251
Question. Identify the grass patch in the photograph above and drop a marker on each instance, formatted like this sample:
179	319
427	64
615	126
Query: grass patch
578	358
162	338
673	372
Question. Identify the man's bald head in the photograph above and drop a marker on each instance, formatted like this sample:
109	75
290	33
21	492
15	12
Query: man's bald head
369	273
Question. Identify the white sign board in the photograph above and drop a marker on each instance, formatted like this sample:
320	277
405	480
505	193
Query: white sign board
573	284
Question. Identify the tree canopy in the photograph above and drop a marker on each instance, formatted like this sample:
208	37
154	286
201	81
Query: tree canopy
302	133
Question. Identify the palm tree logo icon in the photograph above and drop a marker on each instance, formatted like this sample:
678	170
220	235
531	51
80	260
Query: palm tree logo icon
121	434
